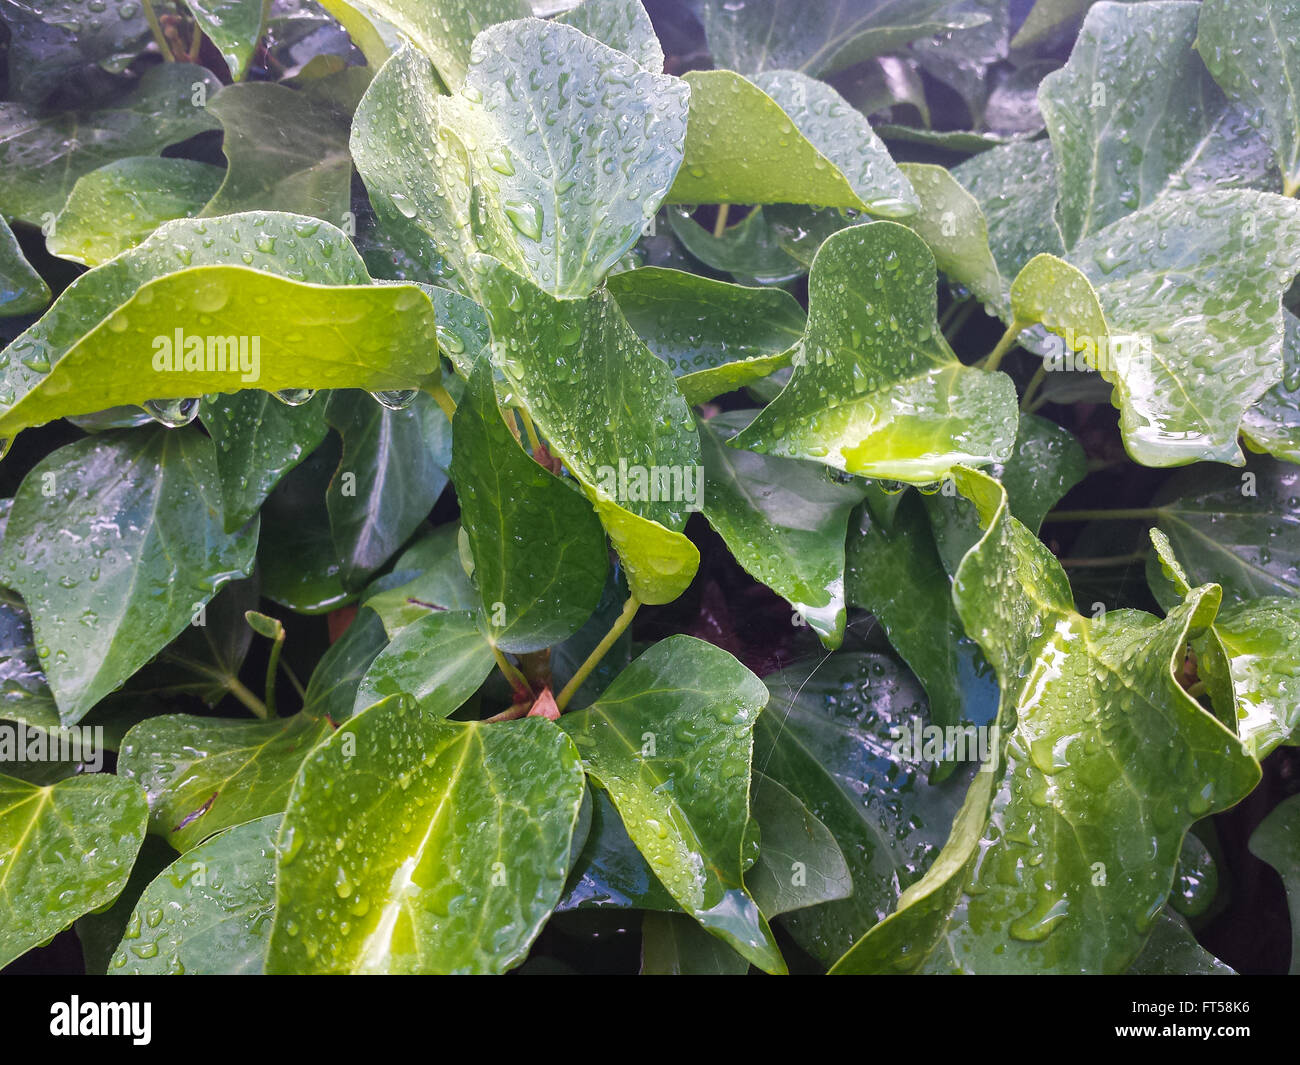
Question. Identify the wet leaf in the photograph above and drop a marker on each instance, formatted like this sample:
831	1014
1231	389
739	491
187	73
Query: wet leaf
22	291
621	24
234	26
1172	950
434	580
1277	841
674	945
454	851
65	850
439	661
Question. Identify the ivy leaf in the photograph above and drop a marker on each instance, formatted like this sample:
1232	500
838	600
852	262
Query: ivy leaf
837	735
1241	530
42	156
804	143
434	578
22	290
440	661
784	521
1273	424
445	30
876	391
621	24
1277	841
799	863
305	168
117	206
98	345
258	440
605	404
142	547
1133	79
670	742
463	333
1252	50
332	688
214	924
466	888
536	195
674	945
234	26
715	337
65	850
393	469
1101	763
748	250
609	871
24	694
819	36
1172	950
539	551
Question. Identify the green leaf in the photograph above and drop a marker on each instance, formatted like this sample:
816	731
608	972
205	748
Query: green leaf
747	250
440	661
100	931
100	344
1277	841
205	774
1273	424
24	694
42	156
670	741
444	30
234	26
435	578
331	691
1172	950
715	337
463	332
621	24
1101	764
141	548
539	551
1253	50
799	863
22	290
1015	187
117	206
804	143
605	404
876	390
258	440
609	872
674	945
393	469
819	36
784	521
1133	80
65	850
838	735
305	167
454	853
1240	530
477	172
209	913
951	223
1197	279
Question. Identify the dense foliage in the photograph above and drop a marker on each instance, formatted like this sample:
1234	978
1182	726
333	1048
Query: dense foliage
495	485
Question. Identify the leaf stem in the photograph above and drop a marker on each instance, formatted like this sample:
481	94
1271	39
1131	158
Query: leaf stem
954	324
518	682
1031	389
1008	341
1121	514
1289	186
720	223
599	651
1197	689
155	27
530	429
237	689
293	679
443	398
1099	563
272	670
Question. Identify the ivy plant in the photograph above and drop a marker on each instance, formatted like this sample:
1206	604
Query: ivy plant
816	481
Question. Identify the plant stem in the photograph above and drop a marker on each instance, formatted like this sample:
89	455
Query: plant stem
953	325
1031	389
155	27
518	682
272	669
1289	187
443	398
601	649
1129	513
293	679
246	697
720	224
1197	689
531	430
1004	345
1099	563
